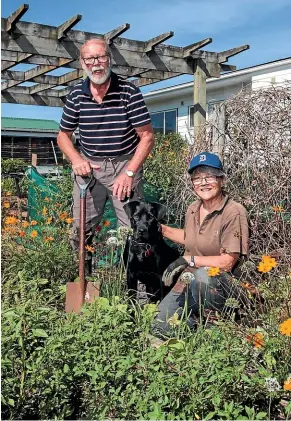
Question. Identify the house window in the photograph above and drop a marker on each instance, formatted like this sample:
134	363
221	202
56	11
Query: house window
164	121
209	107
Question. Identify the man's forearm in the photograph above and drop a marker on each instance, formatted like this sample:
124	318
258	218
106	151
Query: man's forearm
66	145
143	150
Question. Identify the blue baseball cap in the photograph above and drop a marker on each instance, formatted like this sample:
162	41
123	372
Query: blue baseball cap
205	159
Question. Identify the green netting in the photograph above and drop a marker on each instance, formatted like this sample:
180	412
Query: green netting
40	188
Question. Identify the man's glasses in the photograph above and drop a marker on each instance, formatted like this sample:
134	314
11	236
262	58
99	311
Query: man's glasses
208	179
93	60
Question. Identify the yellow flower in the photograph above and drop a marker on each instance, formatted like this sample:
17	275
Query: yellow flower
285	327
11	220
34	234
8	193
278	208
287	384
89	248
25	224
44	211
49	220
257	339
6	205
174	320
150	156
46	199
106	223
22	234
69	220
33	223
212	271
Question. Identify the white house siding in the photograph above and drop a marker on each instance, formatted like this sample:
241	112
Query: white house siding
180	97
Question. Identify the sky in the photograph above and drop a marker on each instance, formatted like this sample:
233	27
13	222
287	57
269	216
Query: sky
263	24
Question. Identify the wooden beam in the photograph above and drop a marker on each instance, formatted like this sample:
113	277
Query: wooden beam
199	95
40	87
66	26
15	17
61	80
20	58
187	51
30	74
70	50
227	67
14	98
26	30
157	74
25	90
7	64
152	43
224	55
111	35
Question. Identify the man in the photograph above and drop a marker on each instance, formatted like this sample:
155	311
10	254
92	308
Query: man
116	136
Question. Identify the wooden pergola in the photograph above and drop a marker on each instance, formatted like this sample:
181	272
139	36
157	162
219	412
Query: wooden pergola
145	62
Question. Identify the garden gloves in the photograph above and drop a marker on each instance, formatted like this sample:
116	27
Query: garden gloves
174	269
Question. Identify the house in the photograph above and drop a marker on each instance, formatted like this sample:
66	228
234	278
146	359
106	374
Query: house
22	137
171	109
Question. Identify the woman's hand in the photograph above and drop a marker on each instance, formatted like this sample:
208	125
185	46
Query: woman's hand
174	269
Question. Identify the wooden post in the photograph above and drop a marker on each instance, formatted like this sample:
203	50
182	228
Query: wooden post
218	131
199	95
34	159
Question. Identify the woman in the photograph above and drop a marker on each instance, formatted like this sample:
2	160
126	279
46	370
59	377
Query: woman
215	236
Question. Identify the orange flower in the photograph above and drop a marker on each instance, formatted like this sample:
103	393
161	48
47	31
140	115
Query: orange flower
90	249
246	285
22	234
278	208
285	327
49	220
63	215
46	199
257	339
34	234
33	223
49	239
266	264
287	384
212	271
106	223
25	224
11	220
269	260
69	220
6	205
44	211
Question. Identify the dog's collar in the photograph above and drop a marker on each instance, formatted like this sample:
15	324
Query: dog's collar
146	247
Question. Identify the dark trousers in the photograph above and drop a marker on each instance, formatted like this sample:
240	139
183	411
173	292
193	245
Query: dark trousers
203	293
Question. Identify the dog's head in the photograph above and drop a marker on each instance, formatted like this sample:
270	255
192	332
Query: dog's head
145	219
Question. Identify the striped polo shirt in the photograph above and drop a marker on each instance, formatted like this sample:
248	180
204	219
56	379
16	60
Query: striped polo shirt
106	129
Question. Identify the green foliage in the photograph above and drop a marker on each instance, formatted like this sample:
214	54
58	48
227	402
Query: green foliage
100	365
9	184
167	163
13	165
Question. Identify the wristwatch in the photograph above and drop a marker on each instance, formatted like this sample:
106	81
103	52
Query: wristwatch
130	173
192	262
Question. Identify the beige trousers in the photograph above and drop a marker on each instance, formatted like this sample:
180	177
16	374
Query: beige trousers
99	191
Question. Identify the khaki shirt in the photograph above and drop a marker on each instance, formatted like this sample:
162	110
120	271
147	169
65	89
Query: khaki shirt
225	230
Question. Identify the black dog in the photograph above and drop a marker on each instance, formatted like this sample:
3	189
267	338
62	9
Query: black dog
146	254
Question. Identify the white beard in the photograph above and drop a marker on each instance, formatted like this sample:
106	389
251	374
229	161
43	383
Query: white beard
98	80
